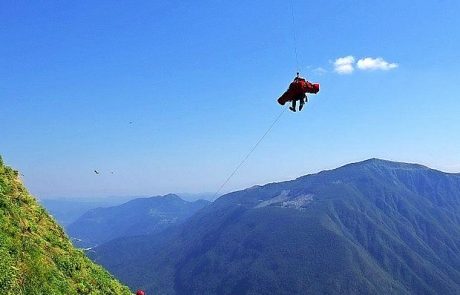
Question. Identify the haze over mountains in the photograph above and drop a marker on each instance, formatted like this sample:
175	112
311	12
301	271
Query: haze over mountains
374	227
68	210
137	217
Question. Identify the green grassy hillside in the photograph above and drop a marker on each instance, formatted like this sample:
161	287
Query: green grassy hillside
36	257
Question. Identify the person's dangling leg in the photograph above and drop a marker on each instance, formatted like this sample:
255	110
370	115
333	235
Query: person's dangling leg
292	108
302	102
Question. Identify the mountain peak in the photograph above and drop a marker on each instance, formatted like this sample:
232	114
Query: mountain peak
171	196
140	216
365	223
369	165
386	164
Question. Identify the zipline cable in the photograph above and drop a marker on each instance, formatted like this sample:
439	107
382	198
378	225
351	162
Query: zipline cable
294	28
277	118
249	153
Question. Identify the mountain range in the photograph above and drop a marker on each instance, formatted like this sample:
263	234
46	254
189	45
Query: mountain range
140	216
373	227
68	210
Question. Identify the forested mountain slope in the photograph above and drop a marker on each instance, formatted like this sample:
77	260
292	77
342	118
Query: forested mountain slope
136	217
374	227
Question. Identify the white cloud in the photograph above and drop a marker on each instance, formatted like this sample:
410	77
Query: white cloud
372	64
344	65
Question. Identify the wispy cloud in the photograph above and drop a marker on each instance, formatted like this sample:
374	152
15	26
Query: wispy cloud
344	65
319	71
372	64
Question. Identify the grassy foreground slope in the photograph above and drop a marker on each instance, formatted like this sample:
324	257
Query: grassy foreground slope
36	257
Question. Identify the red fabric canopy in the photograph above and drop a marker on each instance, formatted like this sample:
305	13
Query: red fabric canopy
297	90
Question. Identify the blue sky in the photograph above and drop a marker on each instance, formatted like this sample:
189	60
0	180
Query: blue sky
199	82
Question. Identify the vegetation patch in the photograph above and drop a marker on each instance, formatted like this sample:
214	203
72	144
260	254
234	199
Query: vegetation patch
36	257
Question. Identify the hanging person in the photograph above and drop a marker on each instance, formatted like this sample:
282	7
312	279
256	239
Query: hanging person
297	92
301	96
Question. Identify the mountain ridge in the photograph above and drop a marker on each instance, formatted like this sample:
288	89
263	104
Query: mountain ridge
369	227
136	217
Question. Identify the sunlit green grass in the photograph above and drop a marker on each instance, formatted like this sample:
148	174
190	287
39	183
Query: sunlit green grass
36	257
